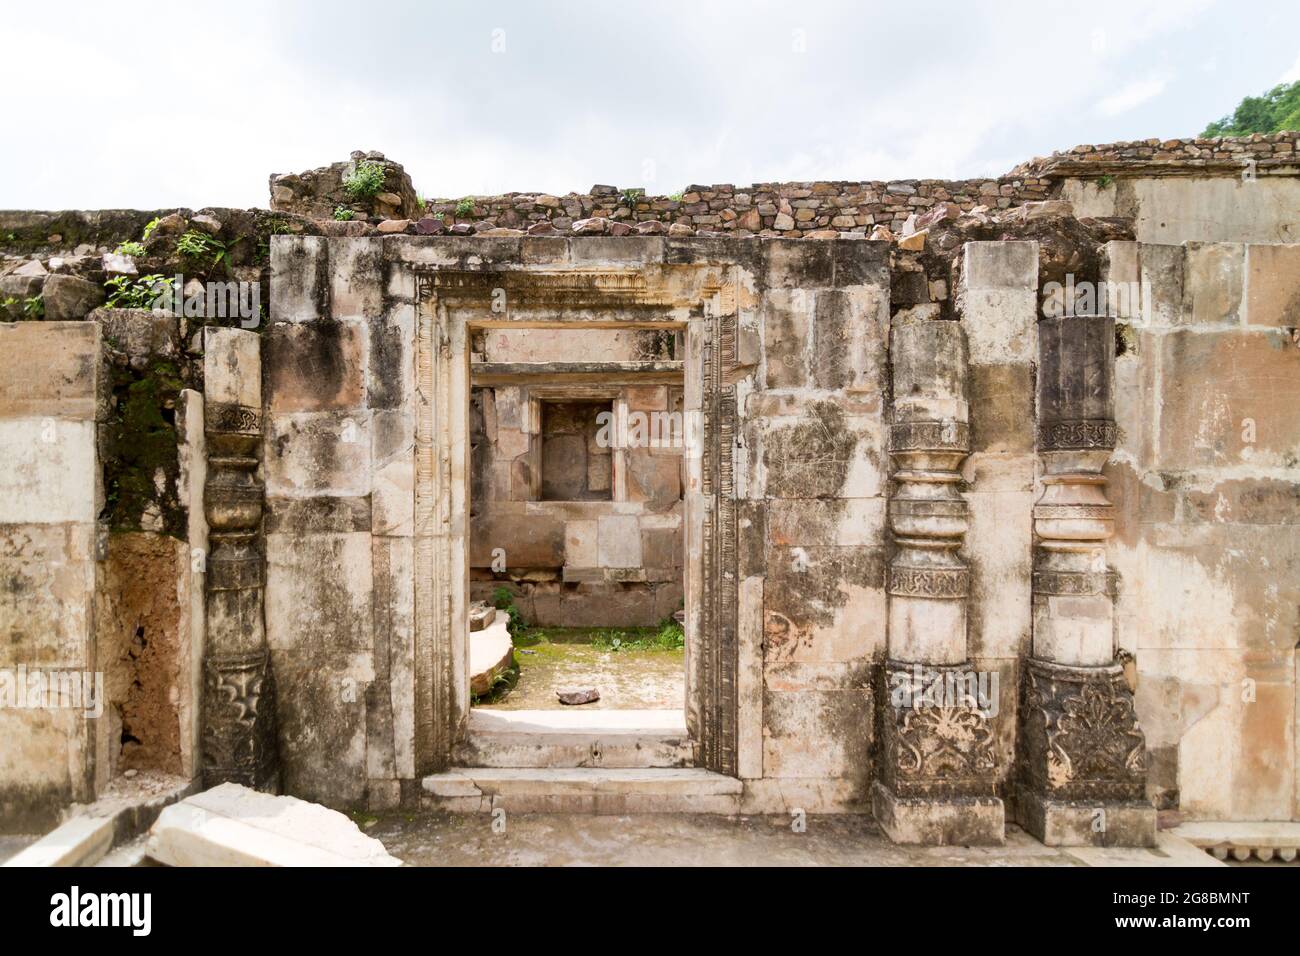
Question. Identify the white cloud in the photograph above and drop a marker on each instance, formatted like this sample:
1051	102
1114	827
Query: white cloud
1133	95
1293	74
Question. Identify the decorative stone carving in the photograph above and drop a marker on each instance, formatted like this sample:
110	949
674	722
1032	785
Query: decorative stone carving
938	760
239	738
936	740
1082	755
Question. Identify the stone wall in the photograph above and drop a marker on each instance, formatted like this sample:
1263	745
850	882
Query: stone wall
1206	476
51	399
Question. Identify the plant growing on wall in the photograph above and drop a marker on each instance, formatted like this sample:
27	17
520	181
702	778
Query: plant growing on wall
200	245
149	227
127	293
342	214
134	249
631	197
366	180
465	207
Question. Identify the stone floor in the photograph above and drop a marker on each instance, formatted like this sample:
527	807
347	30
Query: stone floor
437	839
637	676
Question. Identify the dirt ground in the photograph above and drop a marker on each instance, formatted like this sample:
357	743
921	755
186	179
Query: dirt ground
637	674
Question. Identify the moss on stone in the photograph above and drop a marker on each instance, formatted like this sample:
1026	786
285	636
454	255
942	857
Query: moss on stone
140	445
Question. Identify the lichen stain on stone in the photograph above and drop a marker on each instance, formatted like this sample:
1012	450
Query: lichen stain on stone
810	459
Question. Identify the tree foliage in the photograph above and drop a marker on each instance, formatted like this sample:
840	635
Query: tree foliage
1276	110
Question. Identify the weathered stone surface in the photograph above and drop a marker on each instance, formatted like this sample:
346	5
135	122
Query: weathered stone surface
231	825
68	298
578	695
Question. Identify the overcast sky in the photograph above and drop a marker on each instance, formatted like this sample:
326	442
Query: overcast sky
170	104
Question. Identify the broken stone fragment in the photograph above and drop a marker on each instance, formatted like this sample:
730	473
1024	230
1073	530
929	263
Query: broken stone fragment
578	695
32	268
543	228
68	298
116	264
882	233
501	231
619	229
393	225
169	225
651	227
783	221
942	212
208	224
591	227
915	242
231	825
822	234
680	229
429	226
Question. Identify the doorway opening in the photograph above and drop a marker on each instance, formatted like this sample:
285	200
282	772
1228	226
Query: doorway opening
577	528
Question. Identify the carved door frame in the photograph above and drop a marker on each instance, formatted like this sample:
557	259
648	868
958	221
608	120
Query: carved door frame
449	304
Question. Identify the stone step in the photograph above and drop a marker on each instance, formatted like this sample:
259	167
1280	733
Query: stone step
627	739
582	790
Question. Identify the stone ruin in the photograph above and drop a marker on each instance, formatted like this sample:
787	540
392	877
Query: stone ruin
983	510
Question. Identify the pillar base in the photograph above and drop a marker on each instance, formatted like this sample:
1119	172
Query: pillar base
1082	770
1065	823
939	821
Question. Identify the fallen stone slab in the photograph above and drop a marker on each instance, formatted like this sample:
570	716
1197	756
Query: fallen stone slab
231	825
490	652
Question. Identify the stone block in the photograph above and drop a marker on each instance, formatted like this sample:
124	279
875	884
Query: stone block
49	369
1000	265
232	367
1223	389
390	381
534	542
953	821
300	278
318	593
50	471
580	549
787	317
321	712
850	332
817	733
70	298
619	541
310	454
1213	282
1273	284
846	522
315	366
824	604
393	453
356	269
1059	823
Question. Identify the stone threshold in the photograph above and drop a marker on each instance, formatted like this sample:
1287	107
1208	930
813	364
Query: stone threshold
582	790
571	739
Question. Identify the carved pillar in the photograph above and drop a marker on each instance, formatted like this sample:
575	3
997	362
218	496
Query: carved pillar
239	741
936	773
1082	774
